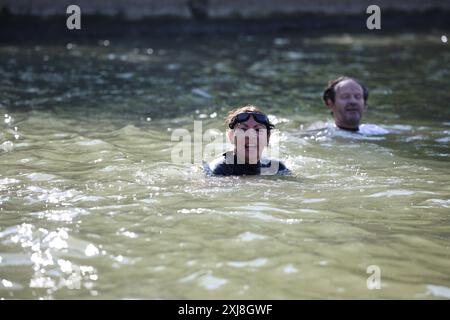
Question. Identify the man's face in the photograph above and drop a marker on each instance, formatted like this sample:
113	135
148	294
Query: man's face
348	106
249	138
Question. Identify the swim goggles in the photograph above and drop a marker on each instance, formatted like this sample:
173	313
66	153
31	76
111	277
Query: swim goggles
244	116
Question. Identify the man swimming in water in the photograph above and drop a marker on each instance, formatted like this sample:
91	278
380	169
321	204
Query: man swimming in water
249	132
347	100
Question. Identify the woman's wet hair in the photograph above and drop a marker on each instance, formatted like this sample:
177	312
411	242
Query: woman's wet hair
330	92
246	108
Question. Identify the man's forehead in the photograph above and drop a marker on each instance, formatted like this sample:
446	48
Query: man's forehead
348	85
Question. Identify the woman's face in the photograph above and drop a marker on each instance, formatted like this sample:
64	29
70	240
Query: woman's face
249	139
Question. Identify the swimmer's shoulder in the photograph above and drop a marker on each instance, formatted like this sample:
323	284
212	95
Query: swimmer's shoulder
273	166
217	167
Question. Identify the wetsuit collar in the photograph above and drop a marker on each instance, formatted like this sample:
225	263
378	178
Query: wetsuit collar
235	162
348	129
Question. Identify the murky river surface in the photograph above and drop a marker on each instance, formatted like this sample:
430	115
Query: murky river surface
92	206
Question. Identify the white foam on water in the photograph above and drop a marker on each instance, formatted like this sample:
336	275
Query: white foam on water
250	236
253	263
210	282
93	142
443	140
91	250
398	192
290	269
438	291
40	176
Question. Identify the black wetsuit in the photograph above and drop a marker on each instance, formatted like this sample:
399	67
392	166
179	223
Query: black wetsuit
220	167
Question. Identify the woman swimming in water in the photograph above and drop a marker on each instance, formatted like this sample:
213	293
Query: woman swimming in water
249	132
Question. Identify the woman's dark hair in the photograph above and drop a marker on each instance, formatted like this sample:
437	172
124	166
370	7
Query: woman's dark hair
330	92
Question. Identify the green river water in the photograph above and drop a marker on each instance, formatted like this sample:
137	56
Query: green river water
93	207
